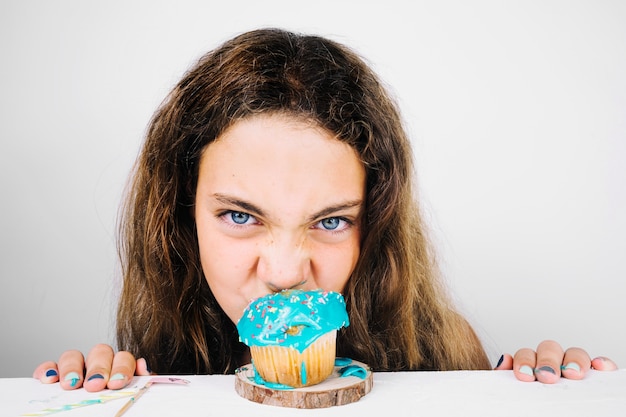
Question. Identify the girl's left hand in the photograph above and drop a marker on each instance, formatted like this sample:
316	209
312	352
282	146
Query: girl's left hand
550	362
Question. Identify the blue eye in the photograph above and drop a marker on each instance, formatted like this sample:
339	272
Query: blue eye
239	217
332	223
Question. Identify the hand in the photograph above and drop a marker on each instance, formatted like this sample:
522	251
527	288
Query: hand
549	363
102	369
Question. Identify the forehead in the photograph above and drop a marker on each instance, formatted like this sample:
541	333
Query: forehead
276	157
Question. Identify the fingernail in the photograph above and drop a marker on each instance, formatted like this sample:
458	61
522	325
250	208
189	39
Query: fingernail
603	363
500	361
95	376
51	373
73	377
546	369
526	370
117	377
571	366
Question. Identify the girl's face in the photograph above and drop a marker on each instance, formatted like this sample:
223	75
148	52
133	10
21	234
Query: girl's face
278	205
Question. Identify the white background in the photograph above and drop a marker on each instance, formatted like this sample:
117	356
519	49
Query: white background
517	111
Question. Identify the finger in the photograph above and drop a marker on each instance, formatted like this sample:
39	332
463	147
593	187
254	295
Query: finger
122	371
549	360
524	364
47	372
603	364
142	368
71	369
505	363
99	362
576	363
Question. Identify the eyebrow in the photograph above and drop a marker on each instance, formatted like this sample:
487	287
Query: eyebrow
244	205
257	211
333	209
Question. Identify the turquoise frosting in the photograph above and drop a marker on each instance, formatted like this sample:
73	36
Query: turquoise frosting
292	318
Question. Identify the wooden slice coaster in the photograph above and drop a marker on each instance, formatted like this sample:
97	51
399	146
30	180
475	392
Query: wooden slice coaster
335	390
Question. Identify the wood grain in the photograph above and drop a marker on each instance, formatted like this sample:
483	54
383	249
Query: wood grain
335	390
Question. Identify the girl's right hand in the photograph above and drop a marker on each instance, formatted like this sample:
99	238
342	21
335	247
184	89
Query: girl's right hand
102	369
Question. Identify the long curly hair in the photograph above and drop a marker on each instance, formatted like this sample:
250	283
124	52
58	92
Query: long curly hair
401	318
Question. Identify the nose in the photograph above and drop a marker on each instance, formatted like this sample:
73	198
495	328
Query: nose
284	263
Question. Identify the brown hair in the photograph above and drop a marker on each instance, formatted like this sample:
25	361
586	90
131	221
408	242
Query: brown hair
399	313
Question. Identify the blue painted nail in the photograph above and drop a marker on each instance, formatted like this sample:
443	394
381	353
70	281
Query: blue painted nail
51	372
117	377
526	370
571	366
95	376
546	369
500	361
73	377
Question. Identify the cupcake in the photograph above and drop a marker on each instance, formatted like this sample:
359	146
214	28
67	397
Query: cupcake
292	335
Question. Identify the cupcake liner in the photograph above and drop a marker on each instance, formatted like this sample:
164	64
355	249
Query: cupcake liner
288	366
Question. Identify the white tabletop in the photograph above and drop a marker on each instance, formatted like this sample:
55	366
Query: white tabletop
483	393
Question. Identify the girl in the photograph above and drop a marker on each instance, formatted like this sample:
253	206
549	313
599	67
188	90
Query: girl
279	161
